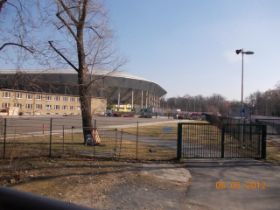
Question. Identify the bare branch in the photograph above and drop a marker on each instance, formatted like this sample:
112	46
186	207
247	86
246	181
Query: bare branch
18	45
61	55
84	13
2	2
67	26
104	76
95	31
67	10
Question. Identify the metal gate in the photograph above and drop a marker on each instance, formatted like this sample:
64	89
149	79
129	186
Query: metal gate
201	140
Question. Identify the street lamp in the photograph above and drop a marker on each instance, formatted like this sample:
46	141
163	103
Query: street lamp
243	52
242	75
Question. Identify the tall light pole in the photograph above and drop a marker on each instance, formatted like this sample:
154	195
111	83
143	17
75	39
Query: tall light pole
243	52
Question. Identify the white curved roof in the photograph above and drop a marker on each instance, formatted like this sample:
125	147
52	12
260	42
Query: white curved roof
116	73
119	75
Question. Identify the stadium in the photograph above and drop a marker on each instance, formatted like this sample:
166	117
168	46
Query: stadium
115	88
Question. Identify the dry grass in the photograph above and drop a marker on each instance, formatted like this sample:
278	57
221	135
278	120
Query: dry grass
273	150
162	131
72	145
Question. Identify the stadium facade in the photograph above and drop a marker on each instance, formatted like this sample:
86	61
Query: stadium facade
56	89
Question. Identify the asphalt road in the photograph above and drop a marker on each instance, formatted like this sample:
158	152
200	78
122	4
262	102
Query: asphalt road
41	124
258	188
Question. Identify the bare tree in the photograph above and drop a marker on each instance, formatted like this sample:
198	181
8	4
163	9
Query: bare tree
84	24
71	33
14	30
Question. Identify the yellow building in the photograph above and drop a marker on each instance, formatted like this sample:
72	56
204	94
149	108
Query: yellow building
18	102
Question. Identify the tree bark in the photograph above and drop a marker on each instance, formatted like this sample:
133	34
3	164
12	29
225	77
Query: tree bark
85	101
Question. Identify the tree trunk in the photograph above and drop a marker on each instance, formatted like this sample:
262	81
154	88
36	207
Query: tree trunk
85	101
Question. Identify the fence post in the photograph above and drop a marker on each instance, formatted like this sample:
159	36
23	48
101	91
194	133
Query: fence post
72	134
179	141
63	137
223	142
5	134
263	152
121	143
50	146
114	154
137	138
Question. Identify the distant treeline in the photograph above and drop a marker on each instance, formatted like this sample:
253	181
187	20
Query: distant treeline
258	103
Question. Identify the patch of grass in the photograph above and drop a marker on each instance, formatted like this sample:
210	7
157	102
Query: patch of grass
163	131
273	151
112	146
273	154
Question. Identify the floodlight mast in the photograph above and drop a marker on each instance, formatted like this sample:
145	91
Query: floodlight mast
238	51
242	75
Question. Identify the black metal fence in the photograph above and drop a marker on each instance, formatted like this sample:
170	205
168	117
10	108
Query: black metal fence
272	124
201	140
121	138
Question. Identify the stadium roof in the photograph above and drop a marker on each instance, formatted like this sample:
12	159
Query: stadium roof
112	78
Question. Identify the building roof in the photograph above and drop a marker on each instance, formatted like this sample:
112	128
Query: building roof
112	78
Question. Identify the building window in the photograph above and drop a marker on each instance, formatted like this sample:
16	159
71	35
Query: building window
18	95
48	107
49	98
71	107
72	99
65	98
6	94
64	107
57	98
56	107
5	105
38	97
29	96
39	106
78	108
18	105
28	106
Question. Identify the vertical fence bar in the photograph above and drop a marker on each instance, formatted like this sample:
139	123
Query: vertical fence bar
72	134
137	139
116	144
263	152
50	146
120	150
5	134
223	142
179	141
63	138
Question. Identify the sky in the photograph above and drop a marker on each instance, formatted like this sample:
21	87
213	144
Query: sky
188	46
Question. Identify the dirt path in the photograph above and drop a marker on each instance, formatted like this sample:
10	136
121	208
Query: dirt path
105	184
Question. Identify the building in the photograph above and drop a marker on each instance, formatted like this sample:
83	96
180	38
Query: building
18	102
116	87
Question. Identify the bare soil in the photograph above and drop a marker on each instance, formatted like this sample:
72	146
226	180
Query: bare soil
98	184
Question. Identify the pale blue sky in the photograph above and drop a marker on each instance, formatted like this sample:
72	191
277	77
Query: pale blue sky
188	46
